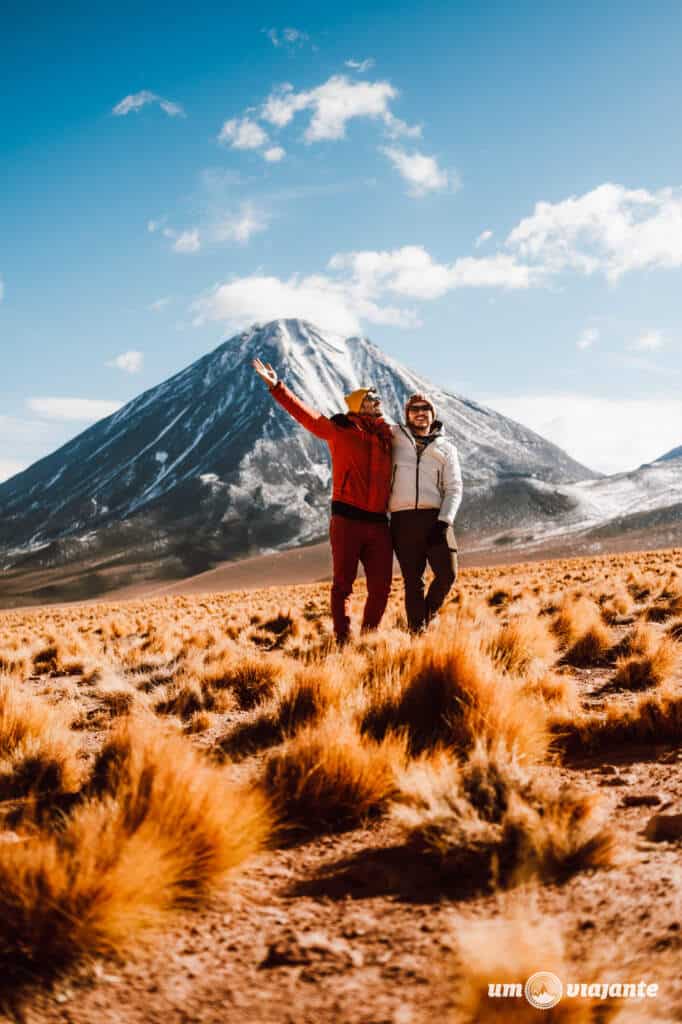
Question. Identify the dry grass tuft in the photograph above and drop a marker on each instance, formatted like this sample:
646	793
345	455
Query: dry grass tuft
492	822
522	643
331	778
38	752
451	694
654	718
652	660
675	630
160	828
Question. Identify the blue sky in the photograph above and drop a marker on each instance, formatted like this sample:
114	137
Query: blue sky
491	192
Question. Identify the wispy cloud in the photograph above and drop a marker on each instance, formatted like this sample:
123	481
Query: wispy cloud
420	171
648	341
360	65
274	154
129	362
587	339
287	37
240	226
184	241
82	409
136	101
159	304
484	237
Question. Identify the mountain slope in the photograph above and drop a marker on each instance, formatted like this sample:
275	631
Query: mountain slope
674	453
207	466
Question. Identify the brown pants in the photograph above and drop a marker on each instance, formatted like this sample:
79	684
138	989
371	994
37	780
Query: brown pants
409	530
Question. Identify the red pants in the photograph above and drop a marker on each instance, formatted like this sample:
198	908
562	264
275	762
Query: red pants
354	541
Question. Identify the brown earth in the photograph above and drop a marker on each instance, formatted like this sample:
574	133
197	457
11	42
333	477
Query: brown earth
352	928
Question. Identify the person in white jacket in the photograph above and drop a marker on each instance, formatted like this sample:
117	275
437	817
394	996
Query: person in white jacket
425	495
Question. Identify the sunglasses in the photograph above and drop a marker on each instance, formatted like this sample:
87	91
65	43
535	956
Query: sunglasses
419	408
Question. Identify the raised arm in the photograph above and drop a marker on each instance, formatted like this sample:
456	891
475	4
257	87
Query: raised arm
452	486
309	418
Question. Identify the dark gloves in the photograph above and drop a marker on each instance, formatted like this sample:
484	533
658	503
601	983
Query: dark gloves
436	534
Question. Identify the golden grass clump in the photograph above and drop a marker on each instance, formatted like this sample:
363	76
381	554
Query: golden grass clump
582	631
655	718
331	778
490	821
574	616
557	690
38	751
450	694
333	686
522	642
674	630
649	660
159	828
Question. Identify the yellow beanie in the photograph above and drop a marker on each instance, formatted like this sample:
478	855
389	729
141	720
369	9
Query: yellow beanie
355	398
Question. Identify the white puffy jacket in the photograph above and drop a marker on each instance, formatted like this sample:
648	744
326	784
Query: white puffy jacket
432	480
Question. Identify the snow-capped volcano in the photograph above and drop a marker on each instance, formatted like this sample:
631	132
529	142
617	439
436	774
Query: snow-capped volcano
207	466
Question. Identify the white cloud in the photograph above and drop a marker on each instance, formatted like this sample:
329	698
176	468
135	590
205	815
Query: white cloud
360	65
611	435
336	305
187	241
84	409
242	133
421	171
9	467
290	37
136	101
357	289
612	230
159	304
240	226
649	341
258	298
274	154
482	238
333	104
129	362
587	339
156	225
411	272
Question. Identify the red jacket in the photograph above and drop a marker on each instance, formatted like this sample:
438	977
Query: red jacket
360	447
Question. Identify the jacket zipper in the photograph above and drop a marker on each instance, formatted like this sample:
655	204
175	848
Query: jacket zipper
416	496
419	455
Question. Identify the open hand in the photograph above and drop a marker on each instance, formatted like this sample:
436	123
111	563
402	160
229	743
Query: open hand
265	372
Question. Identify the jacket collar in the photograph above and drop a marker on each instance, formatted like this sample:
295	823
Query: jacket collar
435	432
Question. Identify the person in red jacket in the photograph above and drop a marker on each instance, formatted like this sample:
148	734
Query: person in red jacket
360	446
